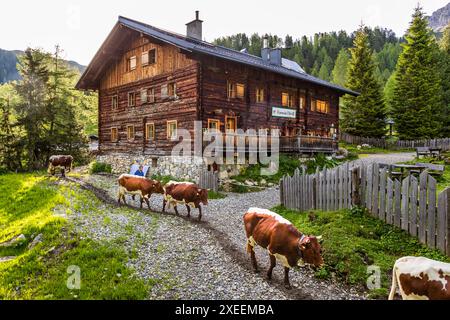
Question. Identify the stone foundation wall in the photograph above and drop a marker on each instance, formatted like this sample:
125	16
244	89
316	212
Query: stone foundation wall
186	168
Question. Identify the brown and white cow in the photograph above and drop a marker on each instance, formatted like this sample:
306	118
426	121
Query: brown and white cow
186	193
282	240
65	161
136	185
420	278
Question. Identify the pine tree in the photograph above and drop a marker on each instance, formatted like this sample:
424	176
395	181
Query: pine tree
417	101
339	73
445	75
364	115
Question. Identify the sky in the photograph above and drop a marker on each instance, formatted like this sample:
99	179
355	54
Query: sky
81	26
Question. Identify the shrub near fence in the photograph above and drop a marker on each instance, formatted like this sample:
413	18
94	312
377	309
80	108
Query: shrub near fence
410	204
443	143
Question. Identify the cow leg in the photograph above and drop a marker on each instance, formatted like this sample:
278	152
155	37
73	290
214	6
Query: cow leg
254	262
199	213
188	210
164	205
63	172
176	210
133	197
148	202
142	201
286	278
273	263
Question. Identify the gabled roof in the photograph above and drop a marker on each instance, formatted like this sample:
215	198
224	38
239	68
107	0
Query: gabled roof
288	68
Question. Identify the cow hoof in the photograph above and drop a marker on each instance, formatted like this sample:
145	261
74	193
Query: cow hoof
288	286
256	270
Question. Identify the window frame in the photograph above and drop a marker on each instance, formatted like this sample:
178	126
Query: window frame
144	91
134	98
168	122
324	106
152	96
117	134
114	106
128	132
129	66
213	121
147	135
235	123
172	85
260	95
232	90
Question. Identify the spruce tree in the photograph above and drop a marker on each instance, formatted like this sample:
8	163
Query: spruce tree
445	75
417	107
365	114
339	73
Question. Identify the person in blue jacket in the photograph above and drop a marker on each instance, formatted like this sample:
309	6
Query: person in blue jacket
140	171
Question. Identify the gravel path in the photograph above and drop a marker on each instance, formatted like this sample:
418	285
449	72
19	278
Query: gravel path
204	260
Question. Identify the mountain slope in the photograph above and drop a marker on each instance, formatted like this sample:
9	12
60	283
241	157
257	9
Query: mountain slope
440	18
8	65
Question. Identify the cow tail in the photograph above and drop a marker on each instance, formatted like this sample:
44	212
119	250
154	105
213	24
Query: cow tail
394	284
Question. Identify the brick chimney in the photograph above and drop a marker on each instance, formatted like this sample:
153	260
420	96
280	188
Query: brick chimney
194	28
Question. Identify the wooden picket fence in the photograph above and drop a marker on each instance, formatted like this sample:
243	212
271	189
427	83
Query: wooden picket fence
443	143
411	204
209	180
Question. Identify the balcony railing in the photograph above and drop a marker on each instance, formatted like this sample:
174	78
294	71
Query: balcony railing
294	144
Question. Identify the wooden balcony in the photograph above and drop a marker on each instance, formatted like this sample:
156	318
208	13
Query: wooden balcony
294	144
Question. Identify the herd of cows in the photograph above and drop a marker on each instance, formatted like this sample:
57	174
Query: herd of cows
417	278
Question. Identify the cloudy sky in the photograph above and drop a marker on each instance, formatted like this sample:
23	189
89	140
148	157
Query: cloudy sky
80	26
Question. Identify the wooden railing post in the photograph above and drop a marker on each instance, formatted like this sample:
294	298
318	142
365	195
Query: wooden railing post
356	197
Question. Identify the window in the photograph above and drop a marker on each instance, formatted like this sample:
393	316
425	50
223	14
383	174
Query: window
213	125
172	129
131	65
149	131
230	124
151	95
149	57
287	100
131	99
114	135
168	90
144	96
260	95
114	102
130	132
322	106
172	89
302	101
235	90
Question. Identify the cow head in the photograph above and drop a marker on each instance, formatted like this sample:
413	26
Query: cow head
203	195
310	250
158	187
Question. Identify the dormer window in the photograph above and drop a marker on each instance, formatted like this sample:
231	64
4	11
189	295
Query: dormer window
149	57
131	65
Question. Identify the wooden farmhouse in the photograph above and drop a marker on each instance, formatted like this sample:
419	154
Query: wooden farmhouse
151	82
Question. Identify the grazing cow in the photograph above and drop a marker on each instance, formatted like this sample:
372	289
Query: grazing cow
64	161
421	278
136	185
283	241
186	193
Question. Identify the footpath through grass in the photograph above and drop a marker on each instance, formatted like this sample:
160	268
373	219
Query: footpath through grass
353	241
28	203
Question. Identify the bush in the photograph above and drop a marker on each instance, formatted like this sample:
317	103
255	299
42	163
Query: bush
97	167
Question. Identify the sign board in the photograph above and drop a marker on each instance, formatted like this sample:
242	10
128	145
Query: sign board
284	113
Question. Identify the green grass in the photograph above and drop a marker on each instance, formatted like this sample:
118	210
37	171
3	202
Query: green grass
372	150
96	167
215	195
352	241
164	179
26	203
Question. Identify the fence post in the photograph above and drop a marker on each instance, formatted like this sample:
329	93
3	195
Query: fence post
356	198
281	192
314	191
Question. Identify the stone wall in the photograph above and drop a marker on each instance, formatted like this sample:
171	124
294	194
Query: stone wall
186	168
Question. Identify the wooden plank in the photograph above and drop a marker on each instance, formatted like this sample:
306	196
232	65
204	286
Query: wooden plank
317	181
311	192
336	189
375	191
297	191
390	201
349	186
397	203
369	187
413	192
345	188
363	184
431	225
442	221
341	187
405	204
422	206
382	211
